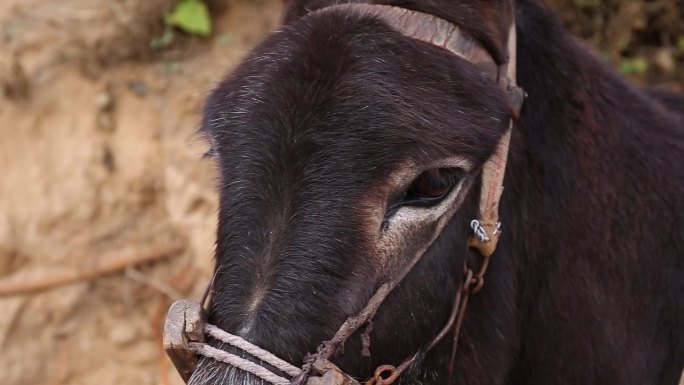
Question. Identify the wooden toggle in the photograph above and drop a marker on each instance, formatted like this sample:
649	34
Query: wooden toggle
184	324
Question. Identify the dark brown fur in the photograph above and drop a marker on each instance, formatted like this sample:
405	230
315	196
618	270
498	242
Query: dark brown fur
586	286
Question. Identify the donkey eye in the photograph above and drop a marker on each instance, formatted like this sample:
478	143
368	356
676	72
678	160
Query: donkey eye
428	189
431	186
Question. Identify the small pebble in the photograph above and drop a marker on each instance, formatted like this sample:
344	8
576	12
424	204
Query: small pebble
224	39
664	60
104	101
138	87
122	334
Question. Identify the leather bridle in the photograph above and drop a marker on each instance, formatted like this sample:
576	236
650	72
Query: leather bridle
185	326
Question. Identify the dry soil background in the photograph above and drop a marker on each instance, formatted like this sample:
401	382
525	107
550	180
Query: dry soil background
98	162
99	168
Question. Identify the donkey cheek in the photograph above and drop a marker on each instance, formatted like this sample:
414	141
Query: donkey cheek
400	245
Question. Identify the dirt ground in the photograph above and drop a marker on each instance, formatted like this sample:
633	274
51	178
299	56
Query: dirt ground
100	167
98	161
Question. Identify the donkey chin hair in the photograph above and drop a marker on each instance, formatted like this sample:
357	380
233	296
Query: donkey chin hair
210	372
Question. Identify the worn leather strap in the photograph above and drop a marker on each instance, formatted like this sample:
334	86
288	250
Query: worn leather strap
494	168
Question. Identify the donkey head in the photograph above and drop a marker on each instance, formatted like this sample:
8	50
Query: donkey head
345	149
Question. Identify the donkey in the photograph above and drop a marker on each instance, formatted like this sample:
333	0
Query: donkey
338	140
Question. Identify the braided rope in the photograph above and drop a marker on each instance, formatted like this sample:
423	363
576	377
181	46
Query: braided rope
252	349
241	363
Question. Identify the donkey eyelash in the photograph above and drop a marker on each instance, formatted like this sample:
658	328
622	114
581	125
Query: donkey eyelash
411	194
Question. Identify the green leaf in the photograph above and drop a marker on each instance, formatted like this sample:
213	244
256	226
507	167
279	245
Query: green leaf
680	43
636	65
191	16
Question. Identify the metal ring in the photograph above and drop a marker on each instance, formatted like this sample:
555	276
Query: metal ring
380	370
497	230
479	231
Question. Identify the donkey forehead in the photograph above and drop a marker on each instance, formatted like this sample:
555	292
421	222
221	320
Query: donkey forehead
352	88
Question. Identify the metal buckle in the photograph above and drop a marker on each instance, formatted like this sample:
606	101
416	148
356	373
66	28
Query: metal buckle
184	324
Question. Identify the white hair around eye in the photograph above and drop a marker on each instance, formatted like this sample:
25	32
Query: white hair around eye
415	222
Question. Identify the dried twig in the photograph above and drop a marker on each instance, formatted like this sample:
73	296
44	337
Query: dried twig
106	267
154	283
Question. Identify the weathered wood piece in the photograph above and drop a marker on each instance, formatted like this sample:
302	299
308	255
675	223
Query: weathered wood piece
184	323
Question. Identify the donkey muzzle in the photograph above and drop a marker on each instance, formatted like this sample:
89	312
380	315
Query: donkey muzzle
185	325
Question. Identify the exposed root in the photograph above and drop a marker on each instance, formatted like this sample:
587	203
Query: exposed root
108	266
